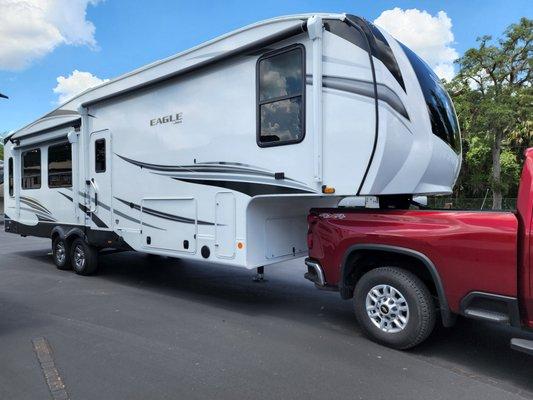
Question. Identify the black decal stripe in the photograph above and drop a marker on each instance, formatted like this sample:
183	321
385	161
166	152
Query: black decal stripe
163	215
125	216
100	204
249	188
67	196
120	214
97	221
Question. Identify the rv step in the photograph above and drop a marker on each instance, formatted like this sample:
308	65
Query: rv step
523	345
487	315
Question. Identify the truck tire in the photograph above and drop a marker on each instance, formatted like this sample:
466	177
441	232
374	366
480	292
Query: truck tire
84	258
394	307
61	254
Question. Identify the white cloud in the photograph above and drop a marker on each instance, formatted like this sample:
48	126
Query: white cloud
30	29
429	36
75	83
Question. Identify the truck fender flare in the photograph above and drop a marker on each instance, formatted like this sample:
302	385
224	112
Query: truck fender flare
448	318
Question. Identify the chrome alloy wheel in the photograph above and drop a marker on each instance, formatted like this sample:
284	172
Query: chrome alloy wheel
60	252
79	257
387	308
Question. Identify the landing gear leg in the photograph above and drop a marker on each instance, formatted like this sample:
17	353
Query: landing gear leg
260	276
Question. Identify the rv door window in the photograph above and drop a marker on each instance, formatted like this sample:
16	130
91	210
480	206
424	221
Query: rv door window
99	156
280	97
10	176
60	165
31	169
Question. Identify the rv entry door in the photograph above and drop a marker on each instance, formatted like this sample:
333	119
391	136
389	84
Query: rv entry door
99	184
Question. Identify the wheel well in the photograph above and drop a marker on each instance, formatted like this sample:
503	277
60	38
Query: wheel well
55	235
73	236
360	262
69	237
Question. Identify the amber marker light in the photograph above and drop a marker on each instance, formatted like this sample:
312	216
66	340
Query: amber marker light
328	189
240	245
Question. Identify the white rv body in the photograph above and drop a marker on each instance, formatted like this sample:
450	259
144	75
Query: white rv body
186	173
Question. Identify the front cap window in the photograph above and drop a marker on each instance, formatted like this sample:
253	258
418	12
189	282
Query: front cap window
444	122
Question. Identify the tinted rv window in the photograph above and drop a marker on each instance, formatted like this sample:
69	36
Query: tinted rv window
444	122
31	169
280	97
60	165
10	176
99	156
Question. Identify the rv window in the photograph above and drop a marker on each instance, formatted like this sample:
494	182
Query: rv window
10	177
99	156
60	165
280	97
31	169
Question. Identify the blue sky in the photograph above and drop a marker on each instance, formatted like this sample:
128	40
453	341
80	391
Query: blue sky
129	34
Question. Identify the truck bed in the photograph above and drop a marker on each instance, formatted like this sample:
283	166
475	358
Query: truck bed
472	251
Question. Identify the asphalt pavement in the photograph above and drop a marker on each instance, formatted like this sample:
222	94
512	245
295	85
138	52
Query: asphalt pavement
159	328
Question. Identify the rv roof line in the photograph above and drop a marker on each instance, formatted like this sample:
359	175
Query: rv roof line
8	138
277	37
74	124
302	17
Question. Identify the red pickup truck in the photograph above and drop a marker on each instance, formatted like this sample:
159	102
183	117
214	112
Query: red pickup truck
405	268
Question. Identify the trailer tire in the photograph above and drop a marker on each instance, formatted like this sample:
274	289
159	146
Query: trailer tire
394	307
84	258
61	253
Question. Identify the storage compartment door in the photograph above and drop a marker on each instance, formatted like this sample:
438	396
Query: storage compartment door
176	221
225	225
285	236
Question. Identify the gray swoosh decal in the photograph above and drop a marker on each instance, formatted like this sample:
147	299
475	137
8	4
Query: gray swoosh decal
34	203
363	88
238	178
334	60
221	171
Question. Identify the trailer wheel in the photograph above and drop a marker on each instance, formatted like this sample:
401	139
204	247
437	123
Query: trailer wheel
84	258
394	307
61	254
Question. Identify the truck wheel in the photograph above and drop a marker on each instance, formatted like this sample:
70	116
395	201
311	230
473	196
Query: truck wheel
84	258
394	307
61	254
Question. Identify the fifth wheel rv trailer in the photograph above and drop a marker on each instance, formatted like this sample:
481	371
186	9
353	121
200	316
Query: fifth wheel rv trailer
218	153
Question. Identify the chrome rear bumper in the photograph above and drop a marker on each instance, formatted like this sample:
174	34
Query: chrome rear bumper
314	272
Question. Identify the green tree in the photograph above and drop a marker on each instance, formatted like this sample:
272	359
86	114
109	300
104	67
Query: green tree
493	96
